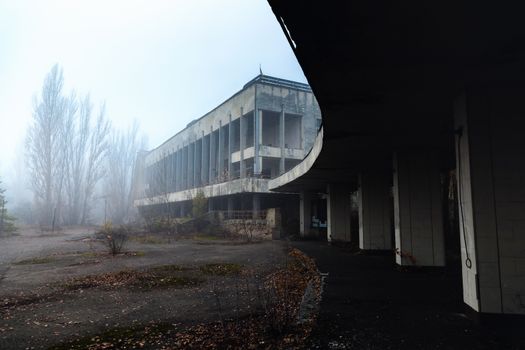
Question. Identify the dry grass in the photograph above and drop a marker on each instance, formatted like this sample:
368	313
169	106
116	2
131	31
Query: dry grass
35	261
222	269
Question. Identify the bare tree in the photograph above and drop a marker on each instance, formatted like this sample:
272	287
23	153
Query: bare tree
85	150
72	160
120	160
44	146
97	147
65	153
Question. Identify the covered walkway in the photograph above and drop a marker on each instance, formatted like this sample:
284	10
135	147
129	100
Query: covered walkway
371	303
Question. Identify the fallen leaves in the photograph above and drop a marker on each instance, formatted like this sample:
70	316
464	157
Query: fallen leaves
274	325
160	276
260	313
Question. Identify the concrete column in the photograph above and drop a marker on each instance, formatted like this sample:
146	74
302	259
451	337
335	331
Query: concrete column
282	166
212	158
257	137
171	179
242	141
191	164
256	203
183	168
175	171
339	210
490	170
196	164
204	160
375	210
179	169
305	213
221	152
230	146
418	209
230	204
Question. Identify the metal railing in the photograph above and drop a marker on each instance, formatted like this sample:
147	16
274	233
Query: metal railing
223	215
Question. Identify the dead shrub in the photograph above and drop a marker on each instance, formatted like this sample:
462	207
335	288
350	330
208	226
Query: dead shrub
115	237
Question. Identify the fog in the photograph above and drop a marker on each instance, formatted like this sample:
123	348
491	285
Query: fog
160	64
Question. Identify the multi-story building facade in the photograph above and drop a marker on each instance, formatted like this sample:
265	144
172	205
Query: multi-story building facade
232	152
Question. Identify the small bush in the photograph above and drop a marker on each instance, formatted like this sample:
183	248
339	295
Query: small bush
115	238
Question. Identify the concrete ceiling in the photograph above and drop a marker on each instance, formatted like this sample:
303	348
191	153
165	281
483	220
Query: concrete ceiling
386	73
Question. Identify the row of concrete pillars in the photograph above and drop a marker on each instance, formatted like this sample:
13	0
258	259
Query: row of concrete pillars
488	201
414	206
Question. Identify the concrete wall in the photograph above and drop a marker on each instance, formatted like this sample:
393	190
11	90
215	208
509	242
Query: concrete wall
339	210
293	102
491	173
375	210
418	215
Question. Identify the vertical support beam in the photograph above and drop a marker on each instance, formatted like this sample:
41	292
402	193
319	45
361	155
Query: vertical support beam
230	145
230	204
339	209
191	155
418	209
164	173
375	210
221	153
195	164
183	167
256	204
242	141
179	167
491	193
470	134
282	167
204	174
212	165
171	179
186	166
305	213
257	136
175	170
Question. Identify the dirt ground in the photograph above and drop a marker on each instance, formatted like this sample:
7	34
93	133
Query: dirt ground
47	301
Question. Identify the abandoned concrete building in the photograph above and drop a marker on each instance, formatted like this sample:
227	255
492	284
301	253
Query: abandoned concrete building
232	152
422	138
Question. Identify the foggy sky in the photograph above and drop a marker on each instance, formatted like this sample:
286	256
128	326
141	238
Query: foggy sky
163	63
